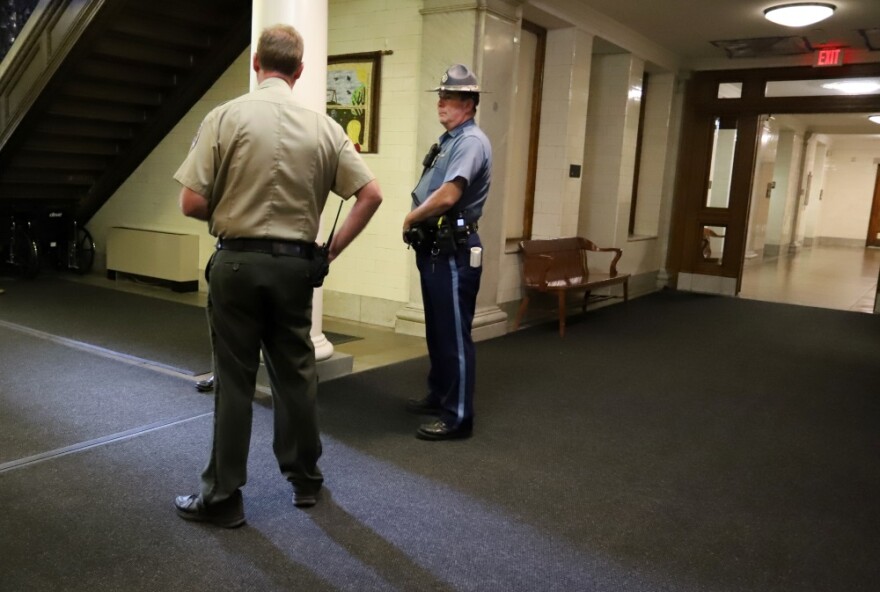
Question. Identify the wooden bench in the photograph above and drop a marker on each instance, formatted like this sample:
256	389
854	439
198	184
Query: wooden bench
560	265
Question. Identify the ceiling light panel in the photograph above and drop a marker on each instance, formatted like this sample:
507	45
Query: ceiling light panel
799	14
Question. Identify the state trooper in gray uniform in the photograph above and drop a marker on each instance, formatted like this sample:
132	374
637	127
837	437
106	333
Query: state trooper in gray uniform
259	171
442	228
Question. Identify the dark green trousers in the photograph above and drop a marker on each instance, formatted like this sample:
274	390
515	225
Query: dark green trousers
259	301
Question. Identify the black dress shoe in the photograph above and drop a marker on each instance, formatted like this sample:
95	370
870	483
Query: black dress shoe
302	499
423	406
229	513
205	386
440	430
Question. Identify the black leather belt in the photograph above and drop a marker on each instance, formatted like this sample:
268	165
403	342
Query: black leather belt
268	246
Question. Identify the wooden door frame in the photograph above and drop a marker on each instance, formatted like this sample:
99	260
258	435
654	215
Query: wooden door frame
701	107
873	238
535	125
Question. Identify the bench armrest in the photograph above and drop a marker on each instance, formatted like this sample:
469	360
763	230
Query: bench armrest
589	245
612	269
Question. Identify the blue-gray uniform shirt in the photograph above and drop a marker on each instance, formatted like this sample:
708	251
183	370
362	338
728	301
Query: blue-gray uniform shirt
464	152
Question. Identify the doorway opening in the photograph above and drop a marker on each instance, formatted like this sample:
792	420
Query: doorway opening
726	192
814	196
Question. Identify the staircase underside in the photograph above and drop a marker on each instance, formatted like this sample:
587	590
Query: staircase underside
75	129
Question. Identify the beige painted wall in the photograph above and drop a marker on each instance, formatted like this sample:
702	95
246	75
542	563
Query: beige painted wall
148	198
849	187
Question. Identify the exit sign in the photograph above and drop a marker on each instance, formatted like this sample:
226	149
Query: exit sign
829	57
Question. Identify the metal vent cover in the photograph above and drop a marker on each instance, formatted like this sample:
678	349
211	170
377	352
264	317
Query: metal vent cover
872	38
764	47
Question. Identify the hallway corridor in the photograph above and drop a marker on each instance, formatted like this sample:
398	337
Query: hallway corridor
839	278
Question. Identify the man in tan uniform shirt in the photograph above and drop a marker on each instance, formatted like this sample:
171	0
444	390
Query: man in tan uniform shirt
259	171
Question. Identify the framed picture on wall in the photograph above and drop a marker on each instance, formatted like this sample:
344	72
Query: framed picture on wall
353	96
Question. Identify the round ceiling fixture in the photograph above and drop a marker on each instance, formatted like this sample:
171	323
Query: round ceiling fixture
874	118
799	14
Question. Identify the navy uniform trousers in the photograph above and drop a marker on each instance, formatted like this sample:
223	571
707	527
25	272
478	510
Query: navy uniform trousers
260	300
449	295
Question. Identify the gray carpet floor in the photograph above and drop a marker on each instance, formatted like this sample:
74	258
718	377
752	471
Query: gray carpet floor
53	396
159	331
676	443
155	331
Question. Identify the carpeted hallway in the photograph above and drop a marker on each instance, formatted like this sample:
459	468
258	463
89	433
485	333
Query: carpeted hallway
675	443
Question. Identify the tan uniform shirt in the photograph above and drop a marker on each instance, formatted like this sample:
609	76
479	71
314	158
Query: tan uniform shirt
266	165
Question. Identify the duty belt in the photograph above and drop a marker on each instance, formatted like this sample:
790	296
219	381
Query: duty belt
431	225
268	246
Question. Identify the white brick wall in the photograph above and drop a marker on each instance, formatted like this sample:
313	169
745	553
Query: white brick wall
612	131
376	275
377	265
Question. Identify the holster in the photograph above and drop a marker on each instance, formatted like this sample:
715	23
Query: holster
208	268
440	236
319	265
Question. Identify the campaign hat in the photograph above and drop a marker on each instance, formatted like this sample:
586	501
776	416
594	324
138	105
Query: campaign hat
458	78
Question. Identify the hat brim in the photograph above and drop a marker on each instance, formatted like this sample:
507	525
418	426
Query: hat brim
457	88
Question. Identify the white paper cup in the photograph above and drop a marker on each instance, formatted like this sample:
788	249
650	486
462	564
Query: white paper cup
476	256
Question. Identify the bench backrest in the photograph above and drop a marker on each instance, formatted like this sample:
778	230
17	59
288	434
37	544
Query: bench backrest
569	261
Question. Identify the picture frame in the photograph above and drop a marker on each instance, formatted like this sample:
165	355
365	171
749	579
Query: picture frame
353	85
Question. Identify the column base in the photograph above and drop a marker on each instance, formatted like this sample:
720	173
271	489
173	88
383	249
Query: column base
489	322
411	320
336	366
323	347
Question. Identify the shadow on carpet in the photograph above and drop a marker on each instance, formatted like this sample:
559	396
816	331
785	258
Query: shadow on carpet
740	463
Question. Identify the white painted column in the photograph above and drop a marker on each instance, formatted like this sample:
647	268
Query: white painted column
609	148
310	19
480	34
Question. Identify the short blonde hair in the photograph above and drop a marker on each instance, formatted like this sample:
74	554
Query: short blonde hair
280	49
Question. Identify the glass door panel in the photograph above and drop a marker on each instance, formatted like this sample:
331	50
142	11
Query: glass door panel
712	244
721	163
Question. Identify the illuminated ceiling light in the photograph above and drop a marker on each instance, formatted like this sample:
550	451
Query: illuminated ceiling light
854	87
799	14
874	118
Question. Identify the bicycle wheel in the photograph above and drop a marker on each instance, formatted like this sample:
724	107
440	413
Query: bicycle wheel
27	256
84	252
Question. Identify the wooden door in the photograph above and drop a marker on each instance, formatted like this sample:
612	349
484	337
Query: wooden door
722	153
526	109
873	239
